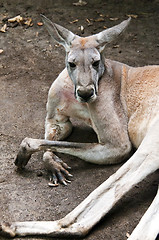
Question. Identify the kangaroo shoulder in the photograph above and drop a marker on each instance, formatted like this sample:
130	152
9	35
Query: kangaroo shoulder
61	84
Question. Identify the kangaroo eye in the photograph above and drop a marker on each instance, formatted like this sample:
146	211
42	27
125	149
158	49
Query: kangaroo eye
96	64
72	65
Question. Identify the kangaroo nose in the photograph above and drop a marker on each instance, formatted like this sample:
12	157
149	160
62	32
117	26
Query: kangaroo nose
86	94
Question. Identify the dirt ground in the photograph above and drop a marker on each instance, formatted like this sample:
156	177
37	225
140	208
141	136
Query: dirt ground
28	66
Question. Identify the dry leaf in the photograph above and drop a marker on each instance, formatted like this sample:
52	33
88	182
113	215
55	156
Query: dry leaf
82	29
116	46
132	15
89	22
74	21
1	51
15	19
114	19
80	3
99	20
28	22
40	24
127	235
3	29
21	20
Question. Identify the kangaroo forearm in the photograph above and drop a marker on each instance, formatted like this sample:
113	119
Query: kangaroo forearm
94	153
90	152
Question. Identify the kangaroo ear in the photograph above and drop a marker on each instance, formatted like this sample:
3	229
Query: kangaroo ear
110	34
59	33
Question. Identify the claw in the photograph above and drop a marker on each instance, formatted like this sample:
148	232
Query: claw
68	181
64	171
61	178
65	165
62	163
50	179
64	182
50	184
57	168
54	179
70	175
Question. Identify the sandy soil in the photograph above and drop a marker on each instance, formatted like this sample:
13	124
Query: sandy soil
28	66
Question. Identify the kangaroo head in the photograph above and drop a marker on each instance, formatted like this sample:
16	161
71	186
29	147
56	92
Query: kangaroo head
84	59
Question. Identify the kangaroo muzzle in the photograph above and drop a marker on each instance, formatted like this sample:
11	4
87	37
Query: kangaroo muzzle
85	94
